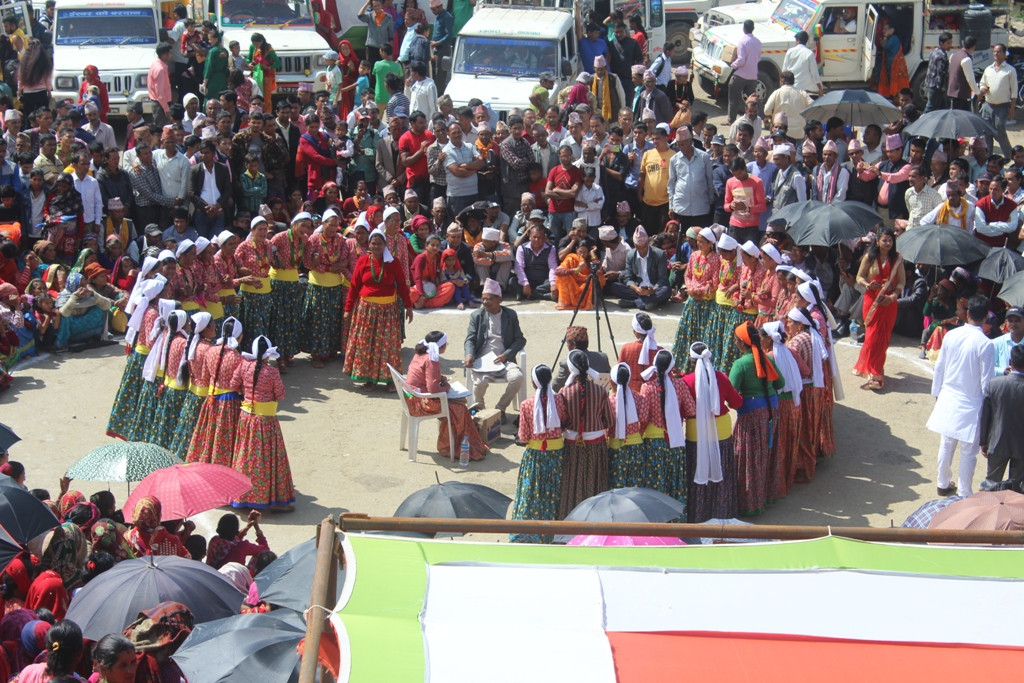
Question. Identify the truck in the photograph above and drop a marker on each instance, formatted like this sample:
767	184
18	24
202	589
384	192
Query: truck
118	37
681	19
848	60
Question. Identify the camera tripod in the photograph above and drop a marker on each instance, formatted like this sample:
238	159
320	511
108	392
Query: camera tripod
591	288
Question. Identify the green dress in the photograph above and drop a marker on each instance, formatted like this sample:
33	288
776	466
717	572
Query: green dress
216	71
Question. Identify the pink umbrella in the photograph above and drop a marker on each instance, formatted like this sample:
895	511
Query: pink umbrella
626	540
186	490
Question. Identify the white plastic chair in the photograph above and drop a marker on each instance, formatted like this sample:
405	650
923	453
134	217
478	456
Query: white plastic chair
521	361
411	424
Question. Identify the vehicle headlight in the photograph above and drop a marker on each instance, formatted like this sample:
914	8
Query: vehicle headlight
67	82
140	81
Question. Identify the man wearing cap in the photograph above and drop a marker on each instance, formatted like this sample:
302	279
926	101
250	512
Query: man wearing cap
117	225
211	191
411	207
455	240
893	188
607	89
652	186
12	126
492	258
613	263
830	178
576	338
690	186
863	185
494	332
541	93
518	227
441	41
644	281
801	63
536	262
654	99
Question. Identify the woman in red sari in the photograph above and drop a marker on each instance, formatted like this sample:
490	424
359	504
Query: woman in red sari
91	76
882	274
348	62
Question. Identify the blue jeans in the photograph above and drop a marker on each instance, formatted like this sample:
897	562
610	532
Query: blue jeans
936	100
996	114
457	204
559	224
207	227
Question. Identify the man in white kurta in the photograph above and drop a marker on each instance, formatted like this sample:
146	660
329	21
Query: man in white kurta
961	376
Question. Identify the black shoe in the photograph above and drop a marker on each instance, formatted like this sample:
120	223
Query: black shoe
948	491
860	339
627	303
843	330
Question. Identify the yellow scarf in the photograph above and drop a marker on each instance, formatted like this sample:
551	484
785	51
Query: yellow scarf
606	96
121	232
945	213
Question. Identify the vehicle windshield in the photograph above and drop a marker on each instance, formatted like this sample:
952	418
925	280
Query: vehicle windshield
105	27
506	56
265	13
796	14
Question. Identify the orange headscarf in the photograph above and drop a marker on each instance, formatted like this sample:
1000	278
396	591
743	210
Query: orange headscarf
764	367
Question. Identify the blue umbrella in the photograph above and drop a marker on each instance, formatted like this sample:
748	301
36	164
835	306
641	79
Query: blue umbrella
631	504
288	580
854	107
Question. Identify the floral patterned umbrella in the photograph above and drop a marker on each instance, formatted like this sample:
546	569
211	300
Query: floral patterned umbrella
122	461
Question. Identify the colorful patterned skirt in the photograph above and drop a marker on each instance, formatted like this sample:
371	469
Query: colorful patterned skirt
462	425
787	440
666	469
286	320
827	444
628	466
538	490
168	411
374	341
127	399
752	448
719	336
145	411
694	324
805	456
213	439
321	320
713	500
584	473
260	454
186	425
257	314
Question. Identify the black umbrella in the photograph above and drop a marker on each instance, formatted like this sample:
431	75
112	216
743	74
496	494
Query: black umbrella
455	500
7	438
9	549
855	107
633	504
288	580
113	600
948	124
23	515
1000	264
827	225
1012	291
244	648
940	245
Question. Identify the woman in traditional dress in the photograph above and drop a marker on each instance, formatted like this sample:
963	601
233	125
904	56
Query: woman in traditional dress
359	236
883	276
91	76
811	296
348	62
171	396
757	380
639	354
710	462
213	439
330	265
540	471
287	255
152	370
752	275
424	374
768	292
588	417
429	289
670	403
207	280
628	454
262	55
726	315
571	278
65	550
217	66
787	291
373	315
187	284
192	372
893	76
809	349
256	309
148	536
787	433
230	275
260	452
701	285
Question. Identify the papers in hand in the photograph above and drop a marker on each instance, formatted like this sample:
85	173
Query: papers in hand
458	390
488	363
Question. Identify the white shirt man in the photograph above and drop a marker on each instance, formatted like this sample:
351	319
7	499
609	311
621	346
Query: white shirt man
422	95
788	100
92	200
961	376
174	169
101	131
800	60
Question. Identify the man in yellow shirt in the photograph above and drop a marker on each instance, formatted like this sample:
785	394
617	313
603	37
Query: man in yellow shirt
652	186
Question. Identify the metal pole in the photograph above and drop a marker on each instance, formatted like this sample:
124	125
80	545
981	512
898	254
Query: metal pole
326	540
359	522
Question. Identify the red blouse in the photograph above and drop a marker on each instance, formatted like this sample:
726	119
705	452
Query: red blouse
380	280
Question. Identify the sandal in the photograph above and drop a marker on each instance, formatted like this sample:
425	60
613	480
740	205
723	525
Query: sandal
872	385
369	386
390	388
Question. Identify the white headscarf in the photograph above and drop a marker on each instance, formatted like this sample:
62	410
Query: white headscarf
236	333
785	360
709	456
673	419
625	402
148	264
650	345
574	371
818	352
434	348
161	338
270	354
388	258
199	323
544	420
144	294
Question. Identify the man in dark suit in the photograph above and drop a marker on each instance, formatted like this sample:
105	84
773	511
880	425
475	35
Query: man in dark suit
288	135
211	191
576	337
645	280
1001	431
389	166
494	329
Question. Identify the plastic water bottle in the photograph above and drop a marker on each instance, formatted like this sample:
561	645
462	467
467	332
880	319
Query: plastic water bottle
854	330
464	452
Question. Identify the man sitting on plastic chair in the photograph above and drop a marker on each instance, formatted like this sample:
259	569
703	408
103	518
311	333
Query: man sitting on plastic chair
493	343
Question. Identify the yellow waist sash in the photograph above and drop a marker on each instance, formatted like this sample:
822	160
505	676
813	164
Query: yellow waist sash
390	299
142	348
653	432
217	391
190	306
264	408
284	274
327	279
630	440
723	299
215	309
227	291
546	444
202	392
723	425
171	382
751	311
265	289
